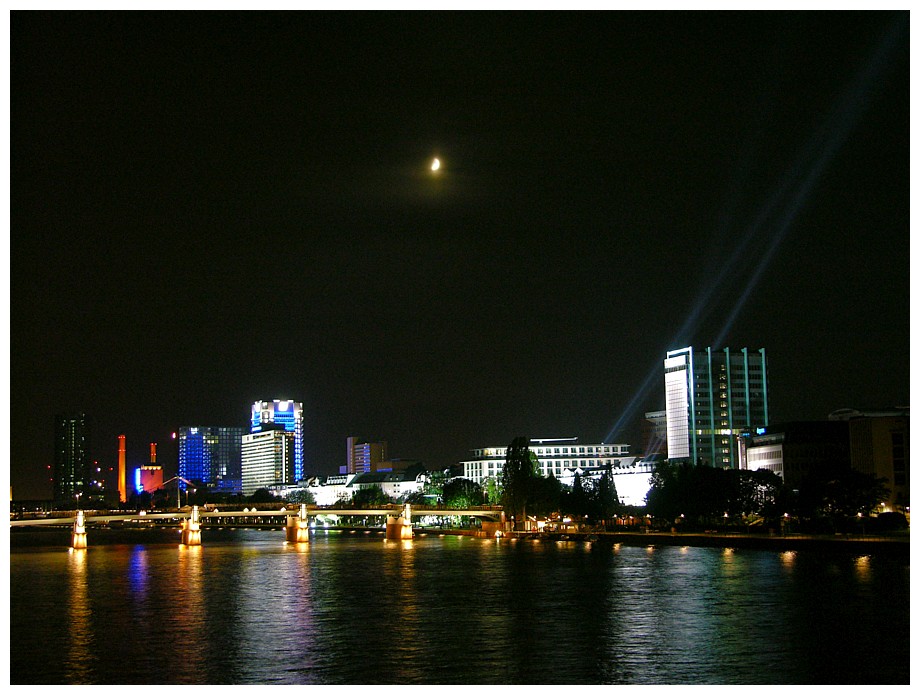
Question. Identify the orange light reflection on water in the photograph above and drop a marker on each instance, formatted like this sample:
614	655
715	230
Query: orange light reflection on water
79	663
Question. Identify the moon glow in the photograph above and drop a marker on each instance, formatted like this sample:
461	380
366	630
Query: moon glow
435	164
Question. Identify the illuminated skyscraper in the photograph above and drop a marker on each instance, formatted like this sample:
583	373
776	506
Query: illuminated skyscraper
268	457
290	415
711	397
72	464
213	456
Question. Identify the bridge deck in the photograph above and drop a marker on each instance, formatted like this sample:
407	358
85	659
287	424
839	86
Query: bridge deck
490	513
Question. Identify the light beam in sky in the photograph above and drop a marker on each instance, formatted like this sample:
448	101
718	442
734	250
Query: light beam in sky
779	212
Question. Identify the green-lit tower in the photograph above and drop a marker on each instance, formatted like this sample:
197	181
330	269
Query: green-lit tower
711	397
72	463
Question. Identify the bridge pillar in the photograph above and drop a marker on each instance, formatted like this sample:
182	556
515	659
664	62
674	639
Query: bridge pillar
298	527
399	528
78	538
191	529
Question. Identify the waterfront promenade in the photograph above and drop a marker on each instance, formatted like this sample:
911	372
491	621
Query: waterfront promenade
856	544
894	545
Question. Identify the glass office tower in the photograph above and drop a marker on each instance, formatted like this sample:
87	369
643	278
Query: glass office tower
711	397
72	464
213	456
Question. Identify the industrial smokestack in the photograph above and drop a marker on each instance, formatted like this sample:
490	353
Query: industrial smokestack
122	476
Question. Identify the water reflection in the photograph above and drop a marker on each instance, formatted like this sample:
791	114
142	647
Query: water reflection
406	630
787	559
78	665
668	601
346	609
138	573
190	616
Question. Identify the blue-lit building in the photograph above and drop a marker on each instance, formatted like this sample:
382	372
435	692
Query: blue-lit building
289	414
212	456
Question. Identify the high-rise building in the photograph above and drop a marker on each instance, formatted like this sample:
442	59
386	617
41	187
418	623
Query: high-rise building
72	464
880	445
268	458
290	415
365	457
711	397
213	456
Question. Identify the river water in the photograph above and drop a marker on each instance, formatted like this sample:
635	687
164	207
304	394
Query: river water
248	608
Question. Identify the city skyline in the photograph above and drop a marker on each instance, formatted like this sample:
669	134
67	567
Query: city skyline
213	209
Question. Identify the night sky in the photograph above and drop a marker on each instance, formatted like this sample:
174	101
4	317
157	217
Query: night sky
210	209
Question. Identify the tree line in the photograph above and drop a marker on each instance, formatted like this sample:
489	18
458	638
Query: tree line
681	494
525	492
693	496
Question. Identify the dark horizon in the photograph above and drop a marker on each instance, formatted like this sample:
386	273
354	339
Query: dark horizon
210	209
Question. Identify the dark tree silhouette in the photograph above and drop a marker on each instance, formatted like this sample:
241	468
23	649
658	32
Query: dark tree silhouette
517	479
370	496
461	492
301	496
262	495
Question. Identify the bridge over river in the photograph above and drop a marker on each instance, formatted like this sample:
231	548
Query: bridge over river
297	520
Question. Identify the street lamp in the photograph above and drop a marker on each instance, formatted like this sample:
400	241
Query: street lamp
188	490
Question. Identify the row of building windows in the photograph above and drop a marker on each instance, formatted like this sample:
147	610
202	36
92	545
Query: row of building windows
622	449
898	458
765	455
558	465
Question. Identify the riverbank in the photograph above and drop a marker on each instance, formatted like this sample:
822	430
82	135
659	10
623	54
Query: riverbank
898	546
857	545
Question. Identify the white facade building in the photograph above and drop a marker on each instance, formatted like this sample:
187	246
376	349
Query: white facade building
556	456
267	459
334	489
562	458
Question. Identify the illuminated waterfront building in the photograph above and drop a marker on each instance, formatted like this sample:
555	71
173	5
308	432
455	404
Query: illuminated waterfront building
557	457
333	489
870	442
712	397
290	415
880	446
268	457
563	458
72	465
212	456
365	457
797	450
